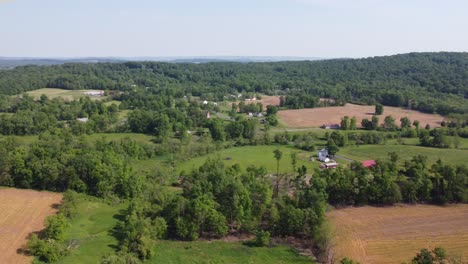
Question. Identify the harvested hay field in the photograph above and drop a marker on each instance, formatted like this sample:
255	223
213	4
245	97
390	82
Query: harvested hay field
266	100
395	234
22	213
315	117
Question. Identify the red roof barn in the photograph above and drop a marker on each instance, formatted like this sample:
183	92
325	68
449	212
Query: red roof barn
368	163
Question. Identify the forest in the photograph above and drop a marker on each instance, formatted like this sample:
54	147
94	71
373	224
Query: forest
429	82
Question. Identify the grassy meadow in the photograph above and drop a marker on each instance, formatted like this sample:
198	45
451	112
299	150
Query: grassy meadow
90	237
65	94
254	155
90	231
213	252
405	152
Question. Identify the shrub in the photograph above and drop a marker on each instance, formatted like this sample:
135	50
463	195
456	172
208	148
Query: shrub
262	238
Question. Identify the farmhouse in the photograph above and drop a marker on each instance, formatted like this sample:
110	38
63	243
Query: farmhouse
368	163
94	93
323	155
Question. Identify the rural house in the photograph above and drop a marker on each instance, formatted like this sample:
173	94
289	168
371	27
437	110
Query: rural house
323	155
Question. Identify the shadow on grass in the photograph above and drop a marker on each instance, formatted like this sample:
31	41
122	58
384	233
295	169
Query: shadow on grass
116	231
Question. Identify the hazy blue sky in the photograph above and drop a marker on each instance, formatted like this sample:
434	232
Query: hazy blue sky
315	28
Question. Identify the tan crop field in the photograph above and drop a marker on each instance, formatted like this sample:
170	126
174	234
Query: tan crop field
315	117
22	212
395	234
266	100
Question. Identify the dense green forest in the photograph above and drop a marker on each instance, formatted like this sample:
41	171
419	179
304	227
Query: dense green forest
429	82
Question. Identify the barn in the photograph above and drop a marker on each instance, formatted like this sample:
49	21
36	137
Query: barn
368	163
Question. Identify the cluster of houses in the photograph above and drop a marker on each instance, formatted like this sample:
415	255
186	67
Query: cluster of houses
329	163
259	114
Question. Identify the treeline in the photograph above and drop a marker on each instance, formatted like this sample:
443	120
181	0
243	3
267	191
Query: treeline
429	82
63	162
218	200
26	116
386	183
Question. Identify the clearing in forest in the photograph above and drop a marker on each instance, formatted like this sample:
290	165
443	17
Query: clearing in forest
266	100
395	234
66	94
22	212
315	117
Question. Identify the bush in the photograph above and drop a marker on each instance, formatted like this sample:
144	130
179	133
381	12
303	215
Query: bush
262	238
68	207
55	226
159	228
46	250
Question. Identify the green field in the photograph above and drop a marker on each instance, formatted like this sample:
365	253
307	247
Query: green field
65	94
89	235
140	138
405	152
90	231
172	252
254	155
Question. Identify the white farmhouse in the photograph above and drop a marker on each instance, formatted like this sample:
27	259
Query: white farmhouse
323	155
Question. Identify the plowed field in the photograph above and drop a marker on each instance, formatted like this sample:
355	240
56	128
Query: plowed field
22	212
396	234
315	117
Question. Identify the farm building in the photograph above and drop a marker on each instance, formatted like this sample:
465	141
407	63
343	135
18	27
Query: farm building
83	120
330	165
94	93
323	155
330	126
368	163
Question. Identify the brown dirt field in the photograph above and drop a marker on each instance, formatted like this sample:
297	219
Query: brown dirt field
315	117
266	100
395	234
22	213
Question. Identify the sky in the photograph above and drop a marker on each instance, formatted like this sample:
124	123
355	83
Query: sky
303	28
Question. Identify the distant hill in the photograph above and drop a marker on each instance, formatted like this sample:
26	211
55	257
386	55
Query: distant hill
429	82
12	62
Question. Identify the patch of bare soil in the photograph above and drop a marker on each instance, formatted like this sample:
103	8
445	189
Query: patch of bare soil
22	212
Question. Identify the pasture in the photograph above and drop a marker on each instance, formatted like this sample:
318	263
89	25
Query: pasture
175	252
315	117
254	155
405	152
395	234
22	213
65	94
90	231
90	234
